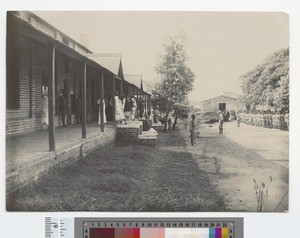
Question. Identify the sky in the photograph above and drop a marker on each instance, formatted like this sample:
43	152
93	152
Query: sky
221	46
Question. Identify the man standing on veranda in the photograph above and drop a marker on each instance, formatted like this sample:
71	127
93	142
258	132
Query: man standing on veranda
62	107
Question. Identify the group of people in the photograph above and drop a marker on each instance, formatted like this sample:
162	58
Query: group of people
124	107
267	119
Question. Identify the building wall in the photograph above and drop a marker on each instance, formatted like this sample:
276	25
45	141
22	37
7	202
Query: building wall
30	67
213	104
29	61
28	72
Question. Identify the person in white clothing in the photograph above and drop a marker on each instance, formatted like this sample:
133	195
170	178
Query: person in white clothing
134	106
99	111
119	115
45	118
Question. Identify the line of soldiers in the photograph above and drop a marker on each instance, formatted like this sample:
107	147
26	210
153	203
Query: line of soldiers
273	120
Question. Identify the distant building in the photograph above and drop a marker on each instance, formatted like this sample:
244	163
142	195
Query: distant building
226	101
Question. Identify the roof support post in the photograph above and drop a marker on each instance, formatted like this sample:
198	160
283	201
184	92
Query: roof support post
84	116
114	101
51	97
101	102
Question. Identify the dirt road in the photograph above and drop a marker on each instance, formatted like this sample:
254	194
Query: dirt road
247	153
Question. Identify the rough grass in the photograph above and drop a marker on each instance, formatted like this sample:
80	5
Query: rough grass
133	178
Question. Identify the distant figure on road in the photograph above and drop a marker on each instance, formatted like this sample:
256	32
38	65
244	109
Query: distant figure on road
192	129
62	107
238	119
221	122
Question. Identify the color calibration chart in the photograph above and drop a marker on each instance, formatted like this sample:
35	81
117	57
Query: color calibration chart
144	227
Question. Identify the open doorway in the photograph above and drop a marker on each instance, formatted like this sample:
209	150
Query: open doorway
222	106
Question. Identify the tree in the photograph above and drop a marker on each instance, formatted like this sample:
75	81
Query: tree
176	78
180	111
268	83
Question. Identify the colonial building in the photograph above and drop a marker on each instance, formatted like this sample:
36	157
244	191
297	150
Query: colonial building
227	101
42	60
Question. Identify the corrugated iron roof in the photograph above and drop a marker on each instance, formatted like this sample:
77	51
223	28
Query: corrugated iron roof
230	94
41	25
110	61
224	94
134	79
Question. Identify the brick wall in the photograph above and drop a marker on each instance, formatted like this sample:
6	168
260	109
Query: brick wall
19	175
128	134
31	65
32	72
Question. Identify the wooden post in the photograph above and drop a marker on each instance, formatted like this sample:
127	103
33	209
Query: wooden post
149	103
51	97
138	99
121	87
114	101
145	100
83	128
101	101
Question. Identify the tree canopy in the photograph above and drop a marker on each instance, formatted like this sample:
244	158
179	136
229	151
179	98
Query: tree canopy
175	77
268	83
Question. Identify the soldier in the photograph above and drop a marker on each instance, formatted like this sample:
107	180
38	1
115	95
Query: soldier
270	120
221	122
286	119
275	120
238	118
265	118
281	119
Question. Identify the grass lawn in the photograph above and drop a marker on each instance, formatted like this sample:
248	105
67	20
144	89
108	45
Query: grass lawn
132	178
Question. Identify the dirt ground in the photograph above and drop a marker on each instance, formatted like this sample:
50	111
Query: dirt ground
247	153
173	177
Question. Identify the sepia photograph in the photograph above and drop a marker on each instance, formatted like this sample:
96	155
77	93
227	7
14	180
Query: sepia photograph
147	111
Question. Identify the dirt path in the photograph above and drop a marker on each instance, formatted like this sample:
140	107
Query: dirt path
246	153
